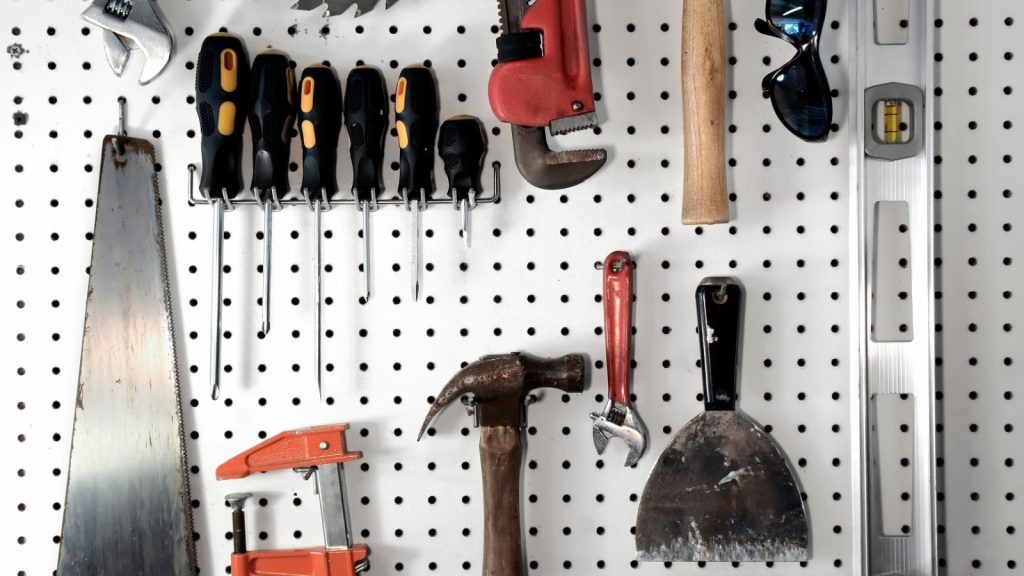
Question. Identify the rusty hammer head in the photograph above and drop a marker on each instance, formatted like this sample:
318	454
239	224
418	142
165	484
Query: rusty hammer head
502	383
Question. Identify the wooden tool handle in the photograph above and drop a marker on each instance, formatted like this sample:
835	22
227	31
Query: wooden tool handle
501	458
705	200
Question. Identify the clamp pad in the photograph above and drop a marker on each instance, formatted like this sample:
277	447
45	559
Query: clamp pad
307	447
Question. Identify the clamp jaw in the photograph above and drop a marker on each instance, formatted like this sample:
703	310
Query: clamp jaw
318	452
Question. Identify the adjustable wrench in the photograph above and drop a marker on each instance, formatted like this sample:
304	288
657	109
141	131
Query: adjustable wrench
138	21
618	418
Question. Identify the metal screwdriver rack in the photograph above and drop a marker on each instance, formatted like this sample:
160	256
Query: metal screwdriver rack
527	284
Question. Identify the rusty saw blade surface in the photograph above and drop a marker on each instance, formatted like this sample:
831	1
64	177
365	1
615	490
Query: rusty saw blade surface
336	7
722	492
127	510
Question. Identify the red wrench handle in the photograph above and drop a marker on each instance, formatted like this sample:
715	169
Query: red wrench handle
618	322
536	91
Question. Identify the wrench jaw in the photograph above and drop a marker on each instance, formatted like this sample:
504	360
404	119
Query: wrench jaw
619	420
142	28
550	170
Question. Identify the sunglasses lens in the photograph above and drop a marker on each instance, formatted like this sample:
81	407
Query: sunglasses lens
801	97
797	18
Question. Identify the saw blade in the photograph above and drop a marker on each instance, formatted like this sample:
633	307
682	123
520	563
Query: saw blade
336	7
127	510
510	15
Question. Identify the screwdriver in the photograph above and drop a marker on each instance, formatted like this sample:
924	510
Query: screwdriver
463	147
319	126
366	119
271	116
222	79
416	117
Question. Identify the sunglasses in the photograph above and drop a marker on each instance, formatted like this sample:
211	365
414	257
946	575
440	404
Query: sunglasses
799	90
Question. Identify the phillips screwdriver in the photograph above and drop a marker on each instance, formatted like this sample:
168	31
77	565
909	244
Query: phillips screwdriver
319	126
271	117
463	147
366	119
222	79
416	117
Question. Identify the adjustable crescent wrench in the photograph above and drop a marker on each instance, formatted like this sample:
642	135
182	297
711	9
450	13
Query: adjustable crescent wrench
317	452
618	418
138	21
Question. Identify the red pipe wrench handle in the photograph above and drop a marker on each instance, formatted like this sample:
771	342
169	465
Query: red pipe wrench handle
536	91
618	322
308	562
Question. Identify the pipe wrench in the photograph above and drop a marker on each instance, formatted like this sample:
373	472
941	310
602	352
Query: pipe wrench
542	80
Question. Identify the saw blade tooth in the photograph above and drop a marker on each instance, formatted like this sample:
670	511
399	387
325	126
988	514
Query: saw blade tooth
576	123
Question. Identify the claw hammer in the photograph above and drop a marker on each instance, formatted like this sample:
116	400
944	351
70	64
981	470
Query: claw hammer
500	386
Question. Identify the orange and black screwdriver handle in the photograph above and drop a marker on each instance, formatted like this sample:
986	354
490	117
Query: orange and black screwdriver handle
271	118
222	85
416	118
366	118
462	146
320	128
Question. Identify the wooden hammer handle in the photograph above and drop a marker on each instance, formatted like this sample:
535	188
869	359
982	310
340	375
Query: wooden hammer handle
501	458
705	200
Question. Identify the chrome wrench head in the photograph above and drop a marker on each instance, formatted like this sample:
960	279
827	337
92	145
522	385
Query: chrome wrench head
618	420
138	21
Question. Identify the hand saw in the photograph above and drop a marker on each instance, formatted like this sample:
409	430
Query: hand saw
335	7
127	510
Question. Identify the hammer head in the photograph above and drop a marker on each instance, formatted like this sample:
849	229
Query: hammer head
502	383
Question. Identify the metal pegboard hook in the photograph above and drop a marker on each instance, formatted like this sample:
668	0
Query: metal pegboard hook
122	130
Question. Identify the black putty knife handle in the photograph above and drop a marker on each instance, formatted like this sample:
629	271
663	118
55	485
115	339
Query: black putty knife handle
720	316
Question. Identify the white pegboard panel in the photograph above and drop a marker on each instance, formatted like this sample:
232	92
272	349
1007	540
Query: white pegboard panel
979	213
528	283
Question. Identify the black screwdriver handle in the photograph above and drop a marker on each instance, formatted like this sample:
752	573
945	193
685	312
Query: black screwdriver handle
222	85
271	118
416	118
366	118
320	128
463	147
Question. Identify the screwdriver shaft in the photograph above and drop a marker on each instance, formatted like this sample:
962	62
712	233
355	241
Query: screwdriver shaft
215	317
464	213
316	294
365	208
268	212
415	215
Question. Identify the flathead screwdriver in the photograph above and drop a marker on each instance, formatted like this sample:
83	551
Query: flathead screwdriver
319	127
366	119
271	117
222	83
416	117
463	147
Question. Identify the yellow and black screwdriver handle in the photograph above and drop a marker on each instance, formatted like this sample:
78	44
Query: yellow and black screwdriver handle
462	146
222	85
271	119
320	128
416	118
366	118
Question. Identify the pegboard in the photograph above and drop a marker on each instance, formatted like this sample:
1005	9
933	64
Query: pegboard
528	283
978	303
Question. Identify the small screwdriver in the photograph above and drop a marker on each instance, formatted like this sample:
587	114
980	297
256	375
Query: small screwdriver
416	117
222	79
463	147
319	126
366	119
271	117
